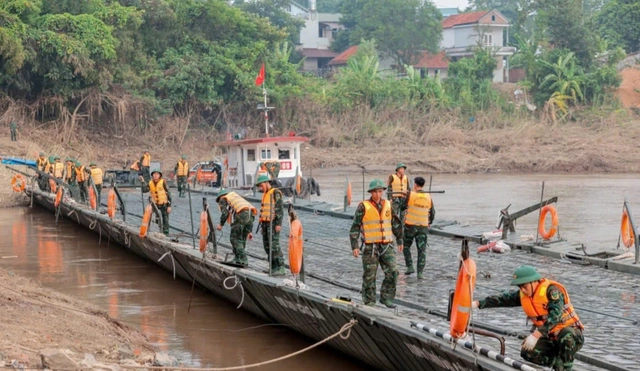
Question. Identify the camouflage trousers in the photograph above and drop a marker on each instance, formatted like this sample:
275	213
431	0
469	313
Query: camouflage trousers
82	186
372	256
240	229
145	173
277	260
558	352
418	233
397	219
165	217
13	135
182	186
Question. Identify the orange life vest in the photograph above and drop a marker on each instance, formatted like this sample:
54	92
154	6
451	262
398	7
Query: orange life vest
80	177
265	209
419	205
238	203
399	185
146	160
69	168
42	163
535	308
376	226
158	193
183	168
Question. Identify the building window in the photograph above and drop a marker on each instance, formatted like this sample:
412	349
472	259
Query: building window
284	154
295	153
493	18
320	30
265	154
436	72
487	40
251	155
288	8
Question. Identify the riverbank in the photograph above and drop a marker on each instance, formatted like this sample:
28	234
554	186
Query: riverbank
42	328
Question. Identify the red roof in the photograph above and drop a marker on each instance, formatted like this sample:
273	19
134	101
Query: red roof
344	56
318	53
261	140
433	61
463	18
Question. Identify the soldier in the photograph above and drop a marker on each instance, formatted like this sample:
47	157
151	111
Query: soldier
96	177
145	163
182	172
240	214
13	126
419	216
271	215
373	219
42	165
57	167
81	178
69	171
161	197
558	330
397	184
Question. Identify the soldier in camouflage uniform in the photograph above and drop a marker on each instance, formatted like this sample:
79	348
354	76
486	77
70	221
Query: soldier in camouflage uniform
271	215
419	216
42	164
13	126
159	194
373	220
182	171
241	215
398	185
558	331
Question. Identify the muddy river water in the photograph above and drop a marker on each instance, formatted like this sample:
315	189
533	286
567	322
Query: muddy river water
69	259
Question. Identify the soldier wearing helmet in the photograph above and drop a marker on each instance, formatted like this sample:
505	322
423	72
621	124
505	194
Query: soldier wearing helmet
373	220
271	215
240	214
558	333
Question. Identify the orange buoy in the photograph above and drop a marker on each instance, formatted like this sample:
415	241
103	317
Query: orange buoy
349	194
204	231
52	185
92	198
18	182
298	184
461	308
626	231
487	247
56	203
199	174
146	219
295	247
554	222
111	204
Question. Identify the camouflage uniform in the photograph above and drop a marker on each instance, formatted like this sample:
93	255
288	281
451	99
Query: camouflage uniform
182	181
372	255
13	127
241	225
144	170
419	233
162	208
277	260
397	221
556	351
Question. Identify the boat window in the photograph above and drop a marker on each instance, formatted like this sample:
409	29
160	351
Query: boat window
265	154
284	154
295	153
251	155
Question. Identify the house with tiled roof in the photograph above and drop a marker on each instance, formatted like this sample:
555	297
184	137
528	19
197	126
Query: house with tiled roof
429	64
463	33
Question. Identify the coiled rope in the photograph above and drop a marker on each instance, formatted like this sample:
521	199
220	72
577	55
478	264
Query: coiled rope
235	283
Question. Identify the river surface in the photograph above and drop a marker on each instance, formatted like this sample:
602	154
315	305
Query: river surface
215	334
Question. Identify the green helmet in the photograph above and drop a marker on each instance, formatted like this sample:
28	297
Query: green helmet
51	158
77	163
376	184
92	164
222	193
41	154
400	164
262	178
56	158
184	157
525	274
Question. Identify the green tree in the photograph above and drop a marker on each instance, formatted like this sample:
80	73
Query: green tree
329	6
402	28
275	11
619	24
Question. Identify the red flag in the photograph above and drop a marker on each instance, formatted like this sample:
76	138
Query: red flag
260	78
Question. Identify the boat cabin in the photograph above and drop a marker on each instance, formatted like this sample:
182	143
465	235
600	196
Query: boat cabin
244	157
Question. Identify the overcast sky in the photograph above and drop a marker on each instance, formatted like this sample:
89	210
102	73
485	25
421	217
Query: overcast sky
451	4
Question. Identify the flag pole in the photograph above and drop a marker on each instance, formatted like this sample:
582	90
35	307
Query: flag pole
266	112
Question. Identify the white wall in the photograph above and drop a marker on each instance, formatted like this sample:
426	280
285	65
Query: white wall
309	34
448	39
310	64
465	36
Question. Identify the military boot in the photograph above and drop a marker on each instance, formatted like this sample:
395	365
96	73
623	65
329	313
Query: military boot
278	272
388	303
420	275
409	270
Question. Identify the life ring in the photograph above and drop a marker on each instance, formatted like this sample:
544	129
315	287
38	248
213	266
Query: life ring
53	185
626	231
295	247
111	204
204	231
349	194
298	185
56	203
487	247
146	219
92	198
21	183
461	308
554	222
